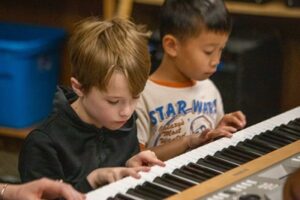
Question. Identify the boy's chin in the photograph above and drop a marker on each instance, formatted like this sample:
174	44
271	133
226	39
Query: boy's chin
114	127
206	76
202	78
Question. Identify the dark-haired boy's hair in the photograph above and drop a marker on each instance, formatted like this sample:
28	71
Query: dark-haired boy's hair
188	18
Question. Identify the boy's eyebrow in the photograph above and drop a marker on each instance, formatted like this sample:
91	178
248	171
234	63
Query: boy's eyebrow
119	97
211	45
116	97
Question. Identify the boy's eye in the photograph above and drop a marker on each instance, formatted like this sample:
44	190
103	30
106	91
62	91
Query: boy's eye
208	52
113	102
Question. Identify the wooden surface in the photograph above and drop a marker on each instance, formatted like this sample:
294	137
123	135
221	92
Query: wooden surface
273	8
239	173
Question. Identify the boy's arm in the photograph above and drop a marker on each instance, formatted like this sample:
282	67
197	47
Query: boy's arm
179	146
142	123
172	149
38	158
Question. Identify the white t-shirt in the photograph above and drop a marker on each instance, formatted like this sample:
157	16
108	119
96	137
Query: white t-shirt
166	113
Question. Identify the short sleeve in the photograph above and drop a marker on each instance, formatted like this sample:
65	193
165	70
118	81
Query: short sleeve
143	121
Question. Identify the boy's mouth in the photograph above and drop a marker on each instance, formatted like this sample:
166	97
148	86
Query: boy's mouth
120	122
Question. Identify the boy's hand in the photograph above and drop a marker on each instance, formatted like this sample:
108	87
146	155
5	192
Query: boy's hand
102	176
235	119
144	158
196	140
228	125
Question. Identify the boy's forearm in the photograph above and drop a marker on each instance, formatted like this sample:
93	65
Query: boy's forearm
172	149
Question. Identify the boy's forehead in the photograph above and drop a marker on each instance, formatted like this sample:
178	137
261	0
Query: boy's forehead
207	37
117	85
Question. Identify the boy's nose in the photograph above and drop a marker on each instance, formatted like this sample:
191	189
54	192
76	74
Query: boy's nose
216	60
126	111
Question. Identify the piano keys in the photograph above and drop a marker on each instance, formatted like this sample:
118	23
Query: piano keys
262	178
199	166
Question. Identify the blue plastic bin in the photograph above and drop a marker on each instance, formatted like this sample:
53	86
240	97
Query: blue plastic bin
29	67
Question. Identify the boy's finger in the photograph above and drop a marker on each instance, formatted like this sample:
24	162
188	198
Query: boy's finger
156	161
240	115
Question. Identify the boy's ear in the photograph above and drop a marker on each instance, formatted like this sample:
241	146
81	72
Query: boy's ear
76	86
170	45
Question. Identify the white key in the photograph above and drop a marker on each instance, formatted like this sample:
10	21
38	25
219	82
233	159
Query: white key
192	156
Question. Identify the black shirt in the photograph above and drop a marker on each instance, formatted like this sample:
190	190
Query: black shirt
64	147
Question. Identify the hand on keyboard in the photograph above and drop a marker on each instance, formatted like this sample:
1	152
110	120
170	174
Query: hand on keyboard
208	135
235	119
102	176
144	158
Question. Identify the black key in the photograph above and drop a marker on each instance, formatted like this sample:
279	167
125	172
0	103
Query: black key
210	172
133	192
167	183
244	152
225	163
163	191
254	145
232	154
216	162
188	175
271	140
295	125
263	144
285	134
277	137
289	130
178	182
200	174
120	196
249	149
297	119
151	193
296	122
211	165
221	155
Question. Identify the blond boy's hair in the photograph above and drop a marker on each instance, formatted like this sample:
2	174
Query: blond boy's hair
99	48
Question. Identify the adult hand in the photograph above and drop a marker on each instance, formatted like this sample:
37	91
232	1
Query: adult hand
42	189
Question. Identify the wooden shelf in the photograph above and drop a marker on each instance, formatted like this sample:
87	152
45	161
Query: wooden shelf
15	133
274	8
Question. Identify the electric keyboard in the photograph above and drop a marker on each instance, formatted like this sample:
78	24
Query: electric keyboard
209	162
